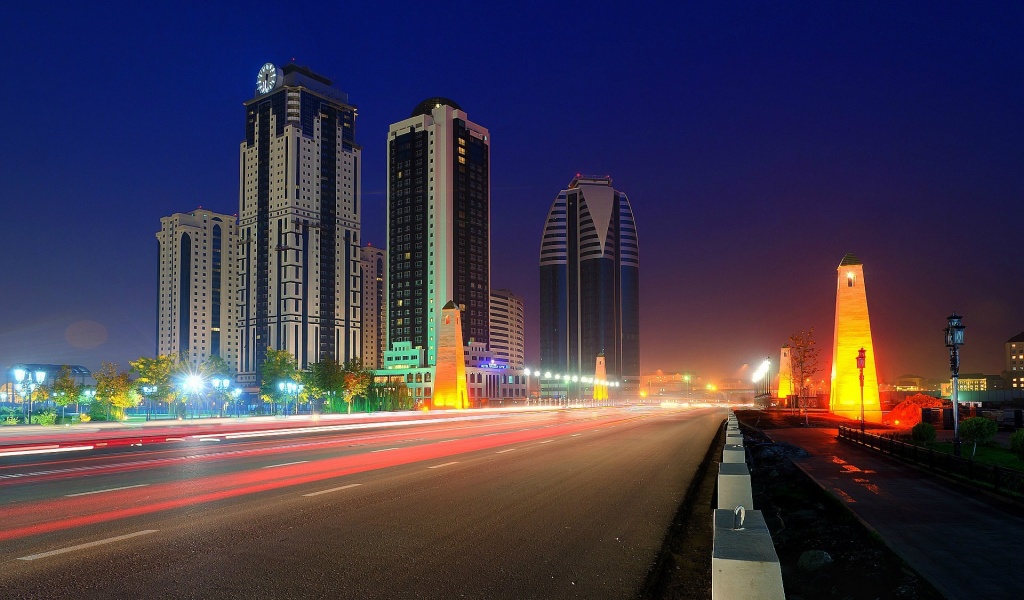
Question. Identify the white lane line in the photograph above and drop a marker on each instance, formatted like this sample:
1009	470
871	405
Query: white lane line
545	442
209	439
294	462
88	545
127	487
505	450
44	450
454	462
384	450
576	435
337	489
175	439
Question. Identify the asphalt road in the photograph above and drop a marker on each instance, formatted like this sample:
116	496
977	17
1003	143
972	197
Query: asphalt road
567	504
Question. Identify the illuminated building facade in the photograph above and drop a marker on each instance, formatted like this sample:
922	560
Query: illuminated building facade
196	308
853	332
299	211
374	326
507	329
438	224
1015	361
589	283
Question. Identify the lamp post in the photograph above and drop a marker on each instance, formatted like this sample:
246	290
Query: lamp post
27	387
290	387
955	339
148	391
193	385
221	384
861	356
235	393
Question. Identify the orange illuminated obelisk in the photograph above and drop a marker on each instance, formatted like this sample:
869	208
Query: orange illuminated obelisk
785	374
450	369
853	332
600	375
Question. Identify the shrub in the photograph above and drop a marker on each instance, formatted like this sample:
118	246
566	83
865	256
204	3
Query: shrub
84	418
923	433
1017	443
47	417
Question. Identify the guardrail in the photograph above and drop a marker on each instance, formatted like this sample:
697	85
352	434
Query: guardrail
744	563
1001	480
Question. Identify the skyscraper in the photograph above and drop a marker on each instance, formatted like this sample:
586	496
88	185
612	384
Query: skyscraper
196	308
590	284
853	332
299	203
507	327
438	224
374	311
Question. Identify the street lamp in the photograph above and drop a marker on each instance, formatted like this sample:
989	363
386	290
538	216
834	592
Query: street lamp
221	384
861	356
291	387
236	393
26	384
148	391
955	339
193	385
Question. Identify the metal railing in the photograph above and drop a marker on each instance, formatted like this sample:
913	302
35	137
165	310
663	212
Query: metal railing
1001	480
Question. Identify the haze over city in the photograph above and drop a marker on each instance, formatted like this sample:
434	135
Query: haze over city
758	144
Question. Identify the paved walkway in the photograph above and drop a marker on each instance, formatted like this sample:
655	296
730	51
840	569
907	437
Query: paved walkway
967	545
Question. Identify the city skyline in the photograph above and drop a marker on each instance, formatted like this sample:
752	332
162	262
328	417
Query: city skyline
759	145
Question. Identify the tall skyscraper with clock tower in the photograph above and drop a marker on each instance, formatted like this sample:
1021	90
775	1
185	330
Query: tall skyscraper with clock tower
299	216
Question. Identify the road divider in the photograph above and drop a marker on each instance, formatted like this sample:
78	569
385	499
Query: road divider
744	563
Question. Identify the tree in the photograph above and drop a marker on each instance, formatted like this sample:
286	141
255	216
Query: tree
159	373
114	389
978	430
279	366
325	379
357	379
803	359
65	389
216	366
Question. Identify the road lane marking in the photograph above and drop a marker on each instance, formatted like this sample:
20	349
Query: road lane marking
175	440
505	450
454	462
87	545
337	489
576	435
208	439
44	450
127	487
384	450
294	462
545	442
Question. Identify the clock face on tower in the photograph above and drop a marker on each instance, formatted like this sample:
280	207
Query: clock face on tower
266	79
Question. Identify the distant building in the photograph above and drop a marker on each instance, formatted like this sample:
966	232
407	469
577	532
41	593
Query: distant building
660	383
1015	361
374	326
590	283
507	328
299	211
974	382
438	224
197	310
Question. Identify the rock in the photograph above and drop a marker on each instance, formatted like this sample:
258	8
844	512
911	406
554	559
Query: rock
814	560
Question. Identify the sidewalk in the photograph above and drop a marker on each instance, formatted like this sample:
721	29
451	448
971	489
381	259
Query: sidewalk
965	544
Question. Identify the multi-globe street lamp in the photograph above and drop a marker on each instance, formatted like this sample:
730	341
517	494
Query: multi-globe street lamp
147	393
222	385
291	387
193	385
27	384
954	339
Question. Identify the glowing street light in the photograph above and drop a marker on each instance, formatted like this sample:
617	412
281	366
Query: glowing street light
147	393
27	387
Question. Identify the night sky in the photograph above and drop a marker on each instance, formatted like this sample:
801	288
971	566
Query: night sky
758	143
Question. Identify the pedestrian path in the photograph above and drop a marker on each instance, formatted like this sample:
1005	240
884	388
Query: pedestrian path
966	544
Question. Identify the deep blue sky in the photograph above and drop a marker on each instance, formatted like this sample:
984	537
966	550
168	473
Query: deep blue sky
758	143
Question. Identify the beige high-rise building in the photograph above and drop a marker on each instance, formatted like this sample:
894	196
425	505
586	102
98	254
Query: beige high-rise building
197	312
507	324
853	332
371	264
299	220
